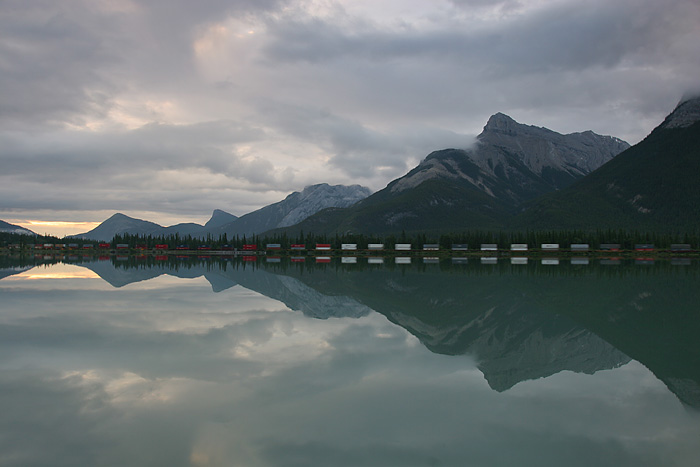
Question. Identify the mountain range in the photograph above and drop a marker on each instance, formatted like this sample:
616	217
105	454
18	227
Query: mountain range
515	176
482	186
523	177
293	209
479	187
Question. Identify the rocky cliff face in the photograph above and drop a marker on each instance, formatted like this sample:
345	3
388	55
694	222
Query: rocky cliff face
686	113
539	148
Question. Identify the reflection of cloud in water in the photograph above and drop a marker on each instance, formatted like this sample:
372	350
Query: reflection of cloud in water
38	274
382	414
182	376
54	272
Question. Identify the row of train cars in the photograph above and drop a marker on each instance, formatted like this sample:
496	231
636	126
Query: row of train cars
345	248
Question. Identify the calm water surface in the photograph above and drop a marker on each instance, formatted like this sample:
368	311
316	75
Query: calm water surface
205	362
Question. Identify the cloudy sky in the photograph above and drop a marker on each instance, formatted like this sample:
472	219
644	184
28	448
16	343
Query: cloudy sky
167	109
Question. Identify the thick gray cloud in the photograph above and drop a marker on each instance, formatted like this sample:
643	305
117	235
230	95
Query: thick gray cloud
50	65
104	105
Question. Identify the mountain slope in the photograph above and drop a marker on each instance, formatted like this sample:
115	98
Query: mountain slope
651	186
293	209
15	229
432	205
481	187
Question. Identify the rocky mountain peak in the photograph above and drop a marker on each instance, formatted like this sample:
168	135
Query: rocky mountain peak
501	123
218	218
515	162
315	190
686	113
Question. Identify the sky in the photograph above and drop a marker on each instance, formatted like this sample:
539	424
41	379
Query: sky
165	110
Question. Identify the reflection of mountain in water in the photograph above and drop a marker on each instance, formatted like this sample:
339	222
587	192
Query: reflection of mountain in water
119	277
535	345
519	322
512	340
11	271
11	265
223	275
525	322
485	315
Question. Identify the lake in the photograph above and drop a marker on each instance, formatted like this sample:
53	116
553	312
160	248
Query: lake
202	361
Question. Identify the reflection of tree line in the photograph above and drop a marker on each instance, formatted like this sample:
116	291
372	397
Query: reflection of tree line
470	266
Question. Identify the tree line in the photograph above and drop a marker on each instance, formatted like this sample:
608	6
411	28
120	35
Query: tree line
474	238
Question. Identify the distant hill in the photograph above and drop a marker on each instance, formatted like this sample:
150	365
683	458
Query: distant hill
120	224
16	229
123	224
651	186
480	187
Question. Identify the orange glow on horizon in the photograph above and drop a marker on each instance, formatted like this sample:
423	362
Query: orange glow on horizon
56	228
